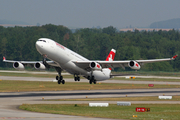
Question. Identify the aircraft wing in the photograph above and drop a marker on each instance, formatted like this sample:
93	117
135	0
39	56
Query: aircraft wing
51	63
115	64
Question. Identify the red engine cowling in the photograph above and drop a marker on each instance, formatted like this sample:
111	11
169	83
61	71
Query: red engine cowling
134	65
95	66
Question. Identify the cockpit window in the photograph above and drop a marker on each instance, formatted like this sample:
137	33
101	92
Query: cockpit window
42	40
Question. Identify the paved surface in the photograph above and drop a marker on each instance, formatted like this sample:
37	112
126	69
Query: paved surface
9	102
85	80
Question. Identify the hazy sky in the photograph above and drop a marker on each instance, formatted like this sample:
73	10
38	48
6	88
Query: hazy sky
89	13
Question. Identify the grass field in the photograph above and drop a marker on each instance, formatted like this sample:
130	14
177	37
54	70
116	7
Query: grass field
157	112
21	86
147	79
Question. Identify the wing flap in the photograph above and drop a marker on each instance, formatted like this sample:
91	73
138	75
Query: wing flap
83	64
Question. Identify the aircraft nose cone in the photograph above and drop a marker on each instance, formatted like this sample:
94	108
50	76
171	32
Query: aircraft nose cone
39	46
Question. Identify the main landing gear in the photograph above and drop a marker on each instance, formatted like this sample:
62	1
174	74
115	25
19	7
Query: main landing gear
92	80
59	78
76	78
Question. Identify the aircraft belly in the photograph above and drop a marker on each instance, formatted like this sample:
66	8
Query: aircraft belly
101	75
73	69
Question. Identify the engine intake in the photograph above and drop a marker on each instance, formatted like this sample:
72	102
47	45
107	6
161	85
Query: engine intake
18	66
134	65
95	66
39	66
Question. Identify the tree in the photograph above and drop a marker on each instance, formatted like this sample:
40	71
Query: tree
109	30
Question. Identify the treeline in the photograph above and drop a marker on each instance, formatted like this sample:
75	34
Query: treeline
18	43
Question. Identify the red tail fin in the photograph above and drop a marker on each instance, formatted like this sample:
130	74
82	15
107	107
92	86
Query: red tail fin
111	55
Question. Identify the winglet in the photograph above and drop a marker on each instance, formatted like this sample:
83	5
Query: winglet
174	57
4	59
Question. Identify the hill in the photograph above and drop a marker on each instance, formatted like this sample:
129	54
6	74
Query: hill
172	23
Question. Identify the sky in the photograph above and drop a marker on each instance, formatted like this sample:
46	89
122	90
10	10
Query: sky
89	13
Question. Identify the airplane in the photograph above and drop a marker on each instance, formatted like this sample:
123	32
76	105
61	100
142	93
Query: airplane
62	58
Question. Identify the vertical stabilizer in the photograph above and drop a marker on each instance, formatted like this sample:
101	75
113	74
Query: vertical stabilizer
111	55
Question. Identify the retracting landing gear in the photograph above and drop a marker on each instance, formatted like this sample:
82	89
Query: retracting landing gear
59	78
76	78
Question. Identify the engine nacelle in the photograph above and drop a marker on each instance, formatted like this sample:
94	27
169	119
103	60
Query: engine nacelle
134	65
95	66
18	66
39	66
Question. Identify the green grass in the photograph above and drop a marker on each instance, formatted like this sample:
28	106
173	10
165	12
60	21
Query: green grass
147	79
152	98
147	73
157	112
21	86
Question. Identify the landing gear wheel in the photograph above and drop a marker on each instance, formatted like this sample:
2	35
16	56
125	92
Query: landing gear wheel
63	81
57	77
59	81
90	81
76	78
94	81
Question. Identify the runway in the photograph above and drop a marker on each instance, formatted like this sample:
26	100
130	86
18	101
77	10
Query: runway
85	80
9	102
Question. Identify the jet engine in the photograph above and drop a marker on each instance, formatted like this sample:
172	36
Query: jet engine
39	66
95	66
134	65
18	66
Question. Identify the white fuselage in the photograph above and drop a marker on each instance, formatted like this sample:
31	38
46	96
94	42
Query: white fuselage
64	57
